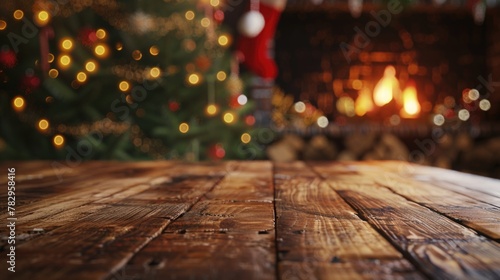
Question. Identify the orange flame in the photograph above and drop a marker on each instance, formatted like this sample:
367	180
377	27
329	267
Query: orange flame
411	106
387	87
364	102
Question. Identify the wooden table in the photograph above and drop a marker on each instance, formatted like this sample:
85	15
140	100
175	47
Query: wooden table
251	220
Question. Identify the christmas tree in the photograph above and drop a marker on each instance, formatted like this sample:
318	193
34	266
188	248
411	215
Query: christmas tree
119	80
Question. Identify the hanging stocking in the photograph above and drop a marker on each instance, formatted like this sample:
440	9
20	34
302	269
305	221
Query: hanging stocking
254	50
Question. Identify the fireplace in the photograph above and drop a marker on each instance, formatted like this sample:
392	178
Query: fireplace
425	82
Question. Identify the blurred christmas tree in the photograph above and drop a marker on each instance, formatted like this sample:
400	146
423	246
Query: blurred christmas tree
121	80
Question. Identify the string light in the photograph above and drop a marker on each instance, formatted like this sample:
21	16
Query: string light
322	122
18	14
67	44
119	46
100	33
58	140
246	138
155	72
100	50
205	22
18	103
211	109
438	120
194	79
214	3
124	86
223	40
42	18
51	58
473	94
64	60
137	55
43	124
154	50
189	15
300	107
81	77
183	127
484	104
90	66
228	118
242	99
3	24
221	76
53	73
463	114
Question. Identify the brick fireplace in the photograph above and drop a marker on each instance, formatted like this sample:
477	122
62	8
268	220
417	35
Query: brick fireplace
327	57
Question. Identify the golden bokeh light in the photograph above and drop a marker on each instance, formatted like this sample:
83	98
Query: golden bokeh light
194	79
215	3
65	60
67	44
246	138
154	50
81	77
137	55
228	118
221	76
155	72
51	58
183	127
211	109
18	103
43	124
205	22
189	15
124	86
100	33
90	66
100	50
53	73
18	14
223	40
3	24
42	18
58	140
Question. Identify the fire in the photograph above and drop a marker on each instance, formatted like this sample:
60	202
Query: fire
411	107
387	88
364	102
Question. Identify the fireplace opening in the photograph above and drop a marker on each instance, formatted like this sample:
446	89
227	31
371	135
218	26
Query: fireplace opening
422	82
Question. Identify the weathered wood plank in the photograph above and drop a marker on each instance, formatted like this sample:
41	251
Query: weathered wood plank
475	214
319	232
227	235
352	270
100	242
409	226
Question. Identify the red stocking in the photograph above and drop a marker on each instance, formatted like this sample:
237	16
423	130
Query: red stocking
255	50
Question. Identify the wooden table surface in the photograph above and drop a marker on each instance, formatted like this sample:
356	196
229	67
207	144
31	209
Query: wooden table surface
251	220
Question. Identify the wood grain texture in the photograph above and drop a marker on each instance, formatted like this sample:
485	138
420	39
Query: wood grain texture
252	220
410	226
229	234
100	241
319	232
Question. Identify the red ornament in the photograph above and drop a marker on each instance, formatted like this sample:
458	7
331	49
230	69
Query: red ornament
173	106
8	58
87	36
30	83
250	120
216	152
203	63
219	16
233	101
